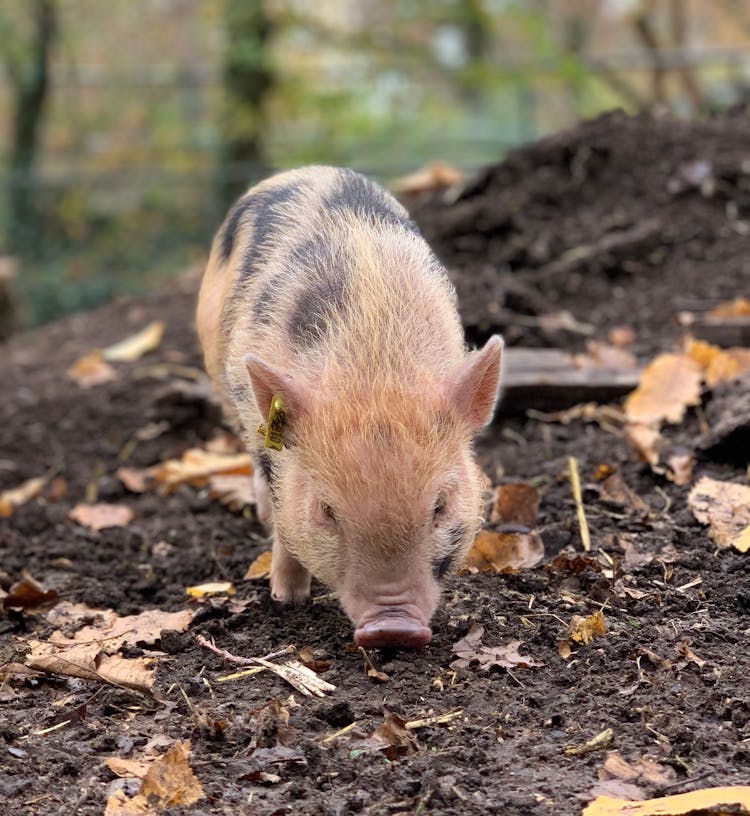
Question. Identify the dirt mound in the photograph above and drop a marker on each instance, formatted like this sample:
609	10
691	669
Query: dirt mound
621	221
624	219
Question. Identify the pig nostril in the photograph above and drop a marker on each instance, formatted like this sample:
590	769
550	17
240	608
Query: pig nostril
395	633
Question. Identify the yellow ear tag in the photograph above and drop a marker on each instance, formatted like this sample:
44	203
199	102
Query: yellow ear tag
274	430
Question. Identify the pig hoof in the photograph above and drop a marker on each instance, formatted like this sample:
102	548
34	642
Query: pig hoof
288	592
393	632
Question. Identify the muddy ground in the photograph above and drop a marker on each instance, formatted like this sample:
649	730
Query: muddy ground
623	221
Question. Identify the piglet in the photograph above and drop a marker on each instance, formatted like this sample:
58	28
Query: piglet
331	333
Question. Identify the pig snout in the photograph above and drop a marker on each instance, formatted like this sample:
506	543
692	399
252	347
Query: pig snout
393	629
391	617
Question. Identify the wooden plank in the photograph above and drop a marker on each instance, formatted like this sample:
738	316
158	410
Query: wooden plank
551	379
721	331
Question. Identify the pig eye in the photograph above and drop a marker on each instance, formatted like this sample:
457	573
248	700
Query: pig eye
439	510
327	512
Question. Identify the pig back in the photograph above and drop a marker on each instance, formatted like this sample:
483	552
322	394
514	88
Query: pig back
321	273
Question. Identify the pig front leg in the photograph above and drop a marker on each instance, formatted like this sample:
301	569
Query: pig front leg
290	581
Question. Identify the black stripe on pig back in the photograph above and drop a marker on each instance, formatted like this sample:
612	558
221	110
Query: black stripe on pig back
355	195
318	261
263	208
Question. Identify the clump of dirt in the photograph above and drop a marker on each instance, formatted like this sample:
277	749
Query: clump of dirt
621	221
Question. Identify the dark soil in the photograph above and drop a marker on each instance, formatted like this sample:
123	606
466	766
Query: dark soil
675	197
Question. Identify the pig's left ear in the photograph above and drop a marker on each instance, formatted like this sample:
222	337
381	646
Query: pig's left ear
268	381
473	388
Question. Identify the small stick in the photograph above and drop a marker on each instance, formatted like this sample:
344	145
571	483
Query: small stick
575	482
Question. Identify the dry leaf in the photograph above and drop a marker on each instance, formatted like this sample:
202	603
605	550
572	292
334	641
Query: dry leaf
392	738
100	516
470	649
92	370
725	506
646	440
499	552
681	468
308	659
91	652
236	491
668	386
134	347
739	307
371	671
433	176
643	769
169	782
516	503
30	489
211	588
28	594
602	355
129	767
196	466
135	479
705	802
615	491
621	336
585	630
719	365
260	568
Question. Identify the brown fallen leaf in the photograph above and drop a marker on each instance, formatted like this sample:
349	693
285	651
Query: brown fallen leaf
470	649
615	491
100	516
600	354
370	670
689	654
501	552
645	440
621	336
719	365
739	307
725	506
25	492
392	738
433	176
29	594
668	386
680	468
705	802
260	568
585	630
169	782
515	503
196	467
643	769
235	491
136	480
308	659
136	768
92	370
135	346
91	652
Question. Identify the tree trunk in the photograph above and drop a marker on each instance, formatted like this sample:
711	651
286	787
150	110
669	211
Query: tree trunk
248	79
30	83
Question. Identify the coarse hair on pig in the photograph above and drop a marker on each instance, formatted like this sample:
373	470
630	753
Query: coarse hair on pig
320	290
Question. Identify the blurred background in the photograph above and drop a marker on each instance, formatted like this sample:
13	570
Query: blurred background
128	127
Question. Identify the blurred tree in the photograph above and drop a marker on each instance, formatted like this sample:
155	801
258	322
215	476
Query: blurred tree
26	38
248	80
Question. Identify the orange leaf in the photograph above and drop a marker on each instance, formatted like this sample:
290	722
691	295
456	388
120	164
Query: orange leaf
260	568
91	370
705	802
516	503
670	384
496	552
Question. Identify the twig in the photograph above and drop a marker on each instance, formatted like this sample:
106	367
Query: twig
300	677
575	482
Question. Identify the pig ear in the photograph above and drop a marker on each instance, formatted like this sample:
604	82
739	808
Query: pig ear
268	381
473	388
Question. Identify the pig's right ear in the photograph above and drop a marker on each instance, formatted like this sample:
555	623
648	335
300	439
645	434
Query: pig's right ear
268	381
